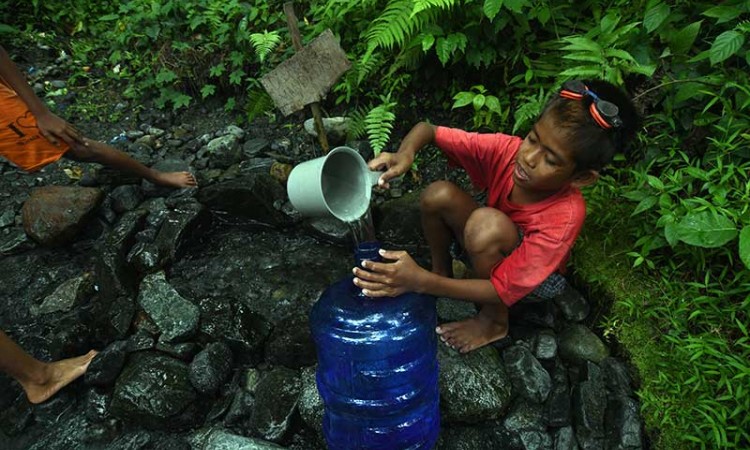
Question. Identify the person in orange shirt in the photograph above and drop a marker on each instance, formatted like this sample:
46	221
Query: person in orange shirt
31	136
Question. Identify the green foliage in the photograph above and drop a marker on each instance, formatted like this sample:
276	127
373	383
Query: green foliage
379	123
488	111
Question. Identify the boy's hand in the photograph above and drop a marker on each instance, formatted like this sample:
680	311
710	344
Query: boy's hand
389	279
54	128
396	163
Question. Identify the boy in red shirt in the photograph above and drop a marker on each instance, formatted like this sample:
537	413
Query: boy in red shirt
518	243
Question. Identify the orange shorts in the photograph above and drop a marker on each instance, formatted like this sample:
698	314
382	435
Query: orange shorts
20	140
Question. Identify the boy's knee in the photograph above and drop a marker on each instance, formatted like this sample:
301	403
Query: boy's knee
490	230
84	153
437	195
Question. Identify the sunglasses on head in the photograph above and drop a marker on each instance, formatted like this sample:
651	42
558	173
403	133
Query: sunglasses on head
604	113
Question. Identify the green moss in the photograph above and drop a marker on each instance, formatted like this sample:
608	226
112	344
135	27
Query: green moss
602	267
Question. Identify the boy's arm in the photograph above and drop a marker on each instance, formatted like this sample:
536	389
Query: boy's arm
398	163
50	126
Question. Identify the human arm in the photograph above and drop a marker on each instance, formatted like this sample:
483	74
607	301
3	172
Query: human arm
403	274
398	163
50	126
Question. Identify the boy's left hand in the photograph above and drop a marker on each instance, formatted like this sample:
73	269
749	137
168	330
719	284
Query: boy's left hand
54	129
389	279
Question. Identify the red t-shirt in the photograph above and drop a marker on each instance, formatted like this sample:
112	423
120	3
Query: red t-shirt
550	227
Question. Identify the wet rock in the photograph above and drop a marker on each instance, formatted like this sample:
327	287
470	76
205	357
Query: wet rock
97	406
233	130
578	344
473	387
623	427
176	317
398	221
252	196
565	439
134	134
155	132
223	151
276	399
7	218
14	420
211	368
530	312
116	280
589	403
230	321
529	378
126	198
574	307
291	344
336	129
488	437
175	225
558	402
526	422
451	310
154	391
255	147
545	345
140	341
240	410
14	241
219	439
616	377
107	365
184	351
53	215
311	406
330	229
68	295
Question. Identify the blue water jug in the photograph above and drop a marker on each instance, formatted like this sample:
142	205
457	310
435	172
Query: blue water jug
377	367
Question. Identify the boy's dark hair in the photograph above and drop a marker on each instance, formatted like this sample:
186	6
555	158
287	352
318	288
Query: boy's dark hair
593	146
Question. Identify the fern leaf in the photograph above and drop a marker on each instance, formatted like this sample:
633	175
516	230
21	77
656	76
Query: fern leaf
422	5
264	43
379	123
397	25
258	102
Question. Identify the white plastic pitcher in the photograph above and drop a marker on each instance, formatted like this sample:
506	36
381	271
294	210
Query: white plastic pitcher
338	184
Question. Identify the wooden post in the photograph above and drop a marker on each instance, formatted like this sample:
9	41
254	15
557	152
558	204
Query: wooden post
291	20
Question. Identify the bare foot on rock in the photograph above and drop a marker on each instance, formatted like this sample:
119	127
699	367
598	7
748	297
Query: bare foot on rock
58	375
470	334
175	179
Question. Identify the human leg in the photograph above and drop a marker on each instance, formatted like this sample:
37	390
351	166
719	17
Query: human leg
40	380
445	209
101	153
489	236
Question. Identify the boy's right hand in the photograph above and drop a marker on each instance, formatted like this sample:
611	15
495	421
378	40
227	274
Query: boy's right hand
54	128
395	163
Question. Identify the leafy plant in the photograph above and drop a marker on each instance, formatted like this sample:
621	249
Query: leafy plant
488	112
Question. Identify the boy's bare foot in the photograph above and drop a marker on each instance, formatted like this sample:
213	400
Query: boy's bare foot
470	334
58	375
174	179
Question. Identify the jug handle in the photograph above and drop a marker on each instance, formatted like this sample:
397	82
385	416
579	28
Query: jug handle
374	177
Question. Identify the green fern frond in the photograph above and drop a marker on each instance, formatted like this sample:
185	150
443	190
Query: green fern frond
422	5
357	125
264	43
528	111
397	24
379	124
258	102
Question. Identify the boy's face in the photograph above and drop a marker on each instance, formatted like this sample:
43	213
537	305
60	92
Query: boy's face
544	163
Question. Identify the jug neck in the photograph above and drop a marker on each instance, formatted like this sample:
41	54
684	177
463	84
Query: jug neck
366	251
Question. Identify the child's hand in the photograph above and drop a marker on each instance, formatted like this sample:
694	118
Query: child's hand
396	163
383	279
54	128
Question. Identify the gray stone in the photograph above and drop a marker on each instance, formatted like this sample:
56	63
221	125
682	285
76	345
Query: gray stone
474	387
558	403
155	132
276	399
176	317
233	130
240	409
14	241
291	343
224	151
57	84
134	134
336	128
452	310
578	344
107	365
252	196
311	406
211	368
68	295
545	345
53	215
184	351
230	321
255	147
154	391
565	439
219	439
97	405
589	404
7	218
126	198
574	307
529	378
487	437
330	229
525	416
616	377
623	424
